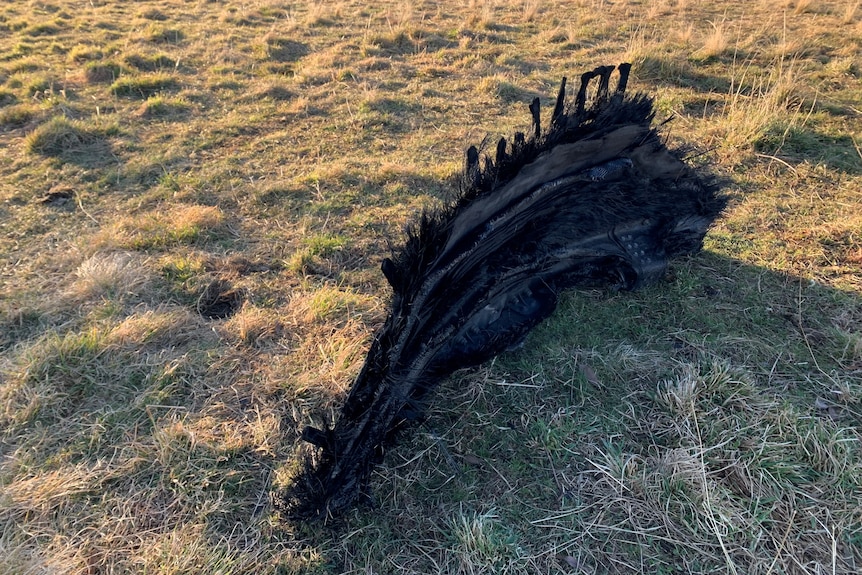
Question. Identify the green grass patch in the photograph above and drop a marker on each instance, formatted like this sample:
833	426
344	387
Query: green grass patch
327	303
69	372
158	230
799	143
315	251
164	108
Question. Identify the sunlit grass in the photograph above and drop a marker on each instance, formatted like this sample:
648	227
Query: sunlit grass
230	177
60	136
159	229
143	86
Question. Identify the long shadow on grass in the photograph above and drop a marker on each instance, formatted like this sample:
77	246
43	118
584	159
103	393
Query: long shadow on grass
682	73
515	438
793	332
342	192
837	152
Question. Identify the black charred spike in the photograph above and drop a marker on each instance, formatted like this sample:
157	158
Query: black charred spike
473	173
518	142
501	152
472	159
604	73
535	110
558	107
316	437
625	69
581	99
390	271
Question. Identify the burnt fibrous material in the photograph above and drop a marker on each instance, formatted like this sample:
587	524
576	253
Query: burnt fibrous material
595	199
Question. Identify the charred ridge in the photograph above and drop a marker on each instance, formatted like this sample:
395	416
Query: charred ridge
595	198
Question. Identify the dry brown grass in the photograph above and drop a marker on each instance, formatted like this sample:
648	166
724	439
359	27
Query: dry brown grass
111	273
181	224
849	14
154	152
716	41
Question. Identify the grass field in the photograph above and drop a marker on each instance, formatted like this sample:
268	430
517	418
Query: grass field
195	197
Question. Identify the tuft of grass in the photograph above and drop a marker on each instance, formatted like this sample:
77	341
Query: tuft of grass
802	7
323	15
482	15
275	91
150	63
64	373
62	137
108	275
849	14
80	53
182	268
485	544
153	14
532	9
500	88
17	116
24	65
715	44
162	107
330	304
44	29
326	358
154	327
160	34
315	251
759	105
144	86
101	72
254	326
281	49
40	85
